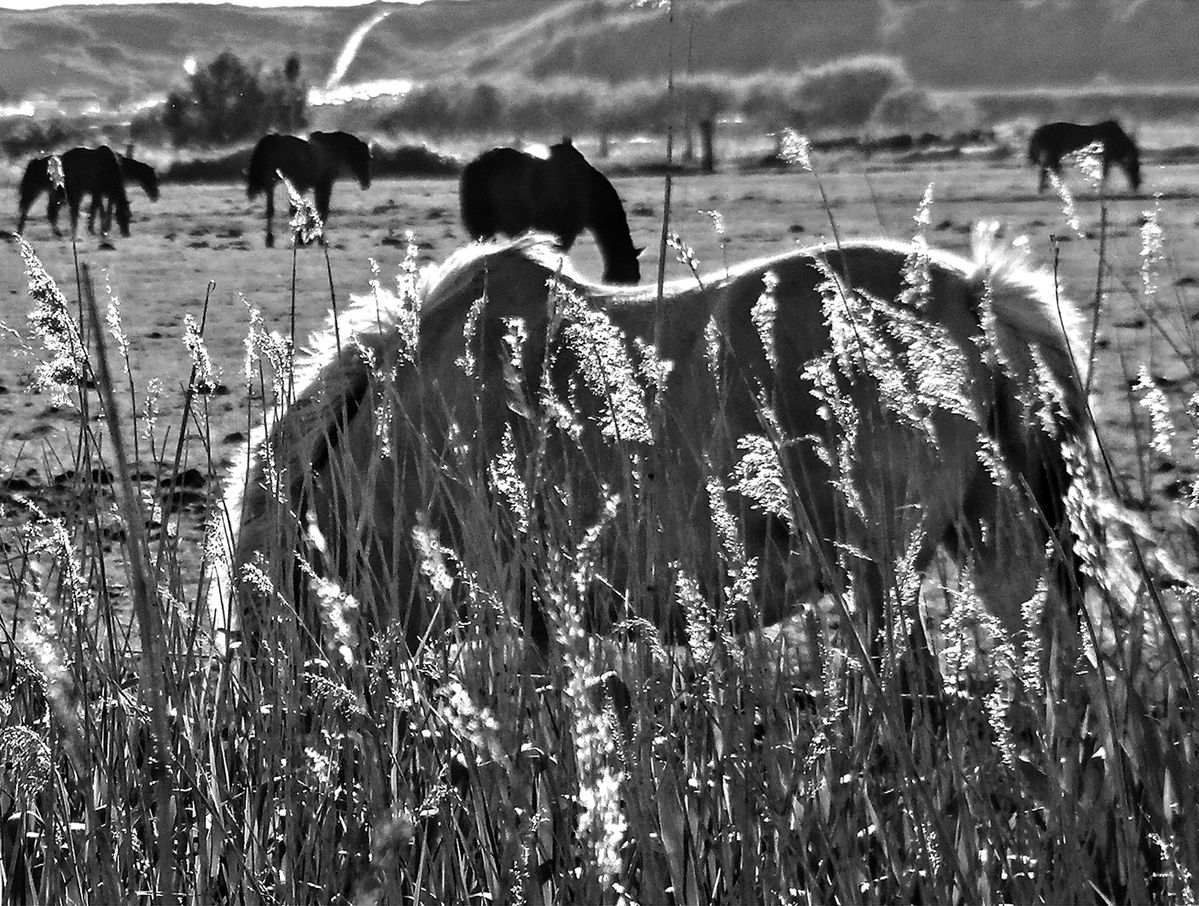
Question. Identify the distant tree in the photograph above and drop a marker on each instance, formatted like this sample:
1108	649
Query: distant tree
483	108
427	108
706	99
227	101
840	94
294	100
561	106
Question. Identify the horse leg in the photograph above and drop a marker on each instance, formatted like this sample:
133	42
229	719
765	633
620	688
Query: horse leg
270	216
322	192
91	216
73	204
52	205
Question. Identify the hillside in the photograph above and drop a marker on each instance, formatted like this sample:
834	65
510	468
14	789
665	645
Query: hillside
131	52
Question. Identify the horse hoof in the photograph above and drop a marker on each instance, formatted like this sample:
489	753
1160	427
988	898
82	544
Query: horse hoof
270	241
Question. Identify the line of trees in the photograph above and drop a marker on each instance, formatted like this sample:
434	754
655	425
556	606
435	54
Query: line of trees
227	101
844	94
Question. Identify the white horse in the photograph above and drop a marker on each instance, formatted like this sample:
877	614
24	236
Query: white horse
827	421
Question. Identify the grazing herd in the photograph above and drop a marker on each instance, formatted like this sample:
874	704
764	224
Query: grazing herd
503	192
311	163
974	464
98	172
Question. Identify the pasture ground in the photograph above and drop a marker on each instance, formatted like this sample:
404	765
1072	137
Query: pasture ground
201	233
471	770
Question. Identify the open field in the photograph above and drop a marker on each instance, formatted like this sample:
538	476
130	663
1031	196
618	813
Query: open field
195	234
353	769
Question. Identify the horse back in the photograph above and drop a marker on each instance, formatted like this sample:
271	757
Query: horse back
288	154
341	151
499	194
93	170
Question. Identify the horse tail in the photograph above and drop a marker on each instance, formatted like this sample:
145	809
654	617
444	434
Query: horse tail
473	199
260	171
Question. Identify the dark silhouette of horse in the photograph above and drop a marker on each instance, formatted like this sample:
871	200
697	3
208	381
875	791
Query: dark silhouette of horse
1051	142
506	191
311	163
86	171
132	169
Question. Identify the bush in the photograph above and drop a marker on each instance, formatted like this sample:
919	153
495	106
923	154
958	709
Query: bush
840	94
916	110
225	101
412	160
22	136
228	166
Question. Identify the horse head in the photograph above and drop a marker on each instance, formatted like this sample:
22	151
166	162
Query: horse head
623	269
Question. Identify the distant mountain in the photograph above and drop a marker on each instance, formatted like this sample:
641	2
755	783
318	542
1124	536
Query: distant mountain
124	53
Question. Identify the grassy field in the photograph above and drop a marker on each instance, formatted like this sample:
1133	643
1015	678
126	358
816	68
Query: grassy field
730	774
197	234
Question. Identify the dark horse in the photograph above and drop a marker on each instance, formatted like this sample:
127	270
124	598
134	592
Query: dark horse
94	171
132	169
506	191
311	163
1049	143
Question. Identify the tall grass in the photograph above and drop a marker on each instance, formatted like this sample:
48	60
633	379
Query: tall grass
507	755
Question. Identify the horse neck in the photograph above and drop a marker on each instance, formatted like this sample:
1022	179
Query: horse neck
260	174
142	173
607	220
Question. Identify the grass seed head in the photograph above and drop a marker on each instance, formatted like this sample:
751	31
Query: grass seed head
796	150
306	224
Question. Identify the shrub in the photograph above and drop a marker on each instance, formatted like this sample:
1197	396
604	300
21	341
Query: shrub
22	136
840	94
915	109
226	101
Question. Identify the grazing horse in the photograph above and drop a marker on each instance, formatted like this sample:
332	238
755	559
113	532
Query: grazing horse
311	163
132	169
1049	143
507	192
94	171
829	413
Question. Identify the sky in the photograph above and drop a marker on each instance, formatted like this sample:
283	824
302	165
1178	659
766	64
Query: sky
46	4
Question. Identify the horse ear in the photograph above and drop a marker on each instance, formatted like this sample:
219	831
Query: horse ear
129	150
566	140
